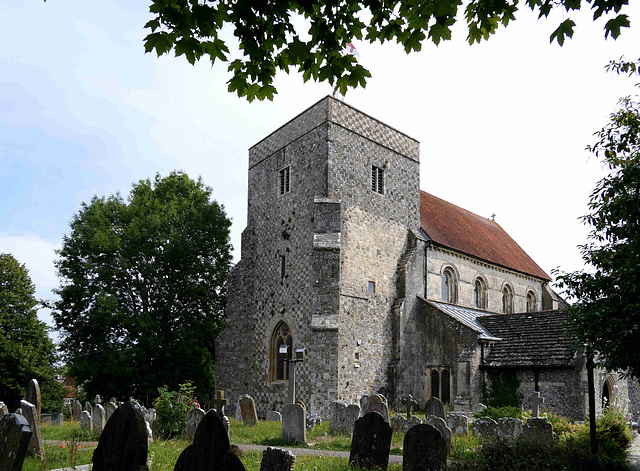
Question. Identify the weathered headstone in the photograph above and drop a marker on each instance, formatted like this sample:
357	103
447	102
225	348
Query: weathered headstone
32	396
509	427
57	419
274	416
536	401
435	407
294	423
97	399
4	410
239	410
87	407
336	417
98	419
424	449
479	407
351	414
378	403
442	427
210	449
277	459
36	445
109	409
220	402
313	420
538	428
371	442
485	427
248	410
193	420
399	424
76	410
364	405
16	435
150	416
458	423
124	442
85	421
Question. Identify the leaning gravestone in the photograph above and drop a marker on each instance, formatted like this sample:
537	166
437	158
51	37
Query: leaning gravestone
32	395
274	416
424	449
210	449
36	445
16	435
442	427
85	421
509	428
248	411
435	407
124	442
538	428
458	423
4	410
485	427
371	442
98	419
193	420
277	459
76	410
294	423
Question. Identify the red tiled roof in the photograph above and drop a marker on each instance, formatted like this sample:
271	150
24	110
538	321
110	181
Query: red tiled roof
451	226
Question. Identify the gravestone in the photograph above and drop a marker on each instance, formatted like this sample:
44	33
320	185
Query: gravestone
85	421
210	449
485	427
364	404
274	416
377	403
424	449
402	425
109	409
76	410
45	418
294	423
458	423
313	420
87	407
98	419
16	435
220	402
277	459
351	414
248	410
239	410
97	399
538	428
4	410
57	419
537	401
124	442
411	405
193	420
479	407
442	427
371	442
435	407
36	445
32	396
336	417
509	427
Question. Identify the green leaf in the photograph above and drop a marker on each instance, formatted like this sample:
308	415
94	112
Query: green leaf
565	29
613	26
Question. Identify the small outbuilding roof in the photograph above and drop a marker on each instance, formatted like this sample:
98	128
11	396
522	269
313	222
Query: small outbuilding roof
466	316
529	339
456	228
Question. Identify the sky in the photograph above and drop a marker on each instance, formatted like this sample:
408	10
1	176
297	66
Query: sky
502	125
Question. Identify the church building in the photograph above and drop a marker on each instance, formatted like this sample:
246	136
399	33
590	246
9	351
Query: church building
389	289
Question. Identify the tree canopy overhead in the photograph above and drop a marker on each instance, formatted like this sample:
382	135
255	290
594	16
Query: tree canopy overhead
311	36
606	315
143	287
26	351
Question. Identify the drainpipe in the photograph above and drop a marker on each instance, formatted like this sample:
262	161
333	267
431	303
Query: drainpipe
427	243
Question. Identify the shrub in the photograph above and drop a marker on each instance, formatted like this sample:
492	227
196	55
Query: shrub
172	408
612	432
496	412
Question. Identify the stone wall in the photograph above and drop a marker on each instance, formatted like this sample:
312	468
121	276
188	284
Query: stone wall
468	269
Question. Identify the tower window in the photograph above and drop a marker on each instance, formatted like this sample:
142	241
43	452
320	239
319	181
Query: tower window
281	352
283	266
377	180
284	179
372	287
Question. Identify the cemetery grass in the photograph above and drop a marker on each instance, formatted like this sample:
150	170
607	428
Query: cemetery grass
67	431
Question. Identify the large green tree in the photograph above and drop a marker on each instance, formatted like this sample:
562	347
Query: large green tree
26	351
311	36
606	315
143	289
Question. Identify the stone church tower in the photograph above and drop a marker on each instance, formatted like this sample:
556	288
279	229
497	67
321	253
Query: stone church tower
333	197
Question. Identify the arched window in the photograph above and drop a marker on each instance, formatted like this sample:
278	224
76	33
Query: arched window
507	299
480	294
281	352
449	286
531	301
